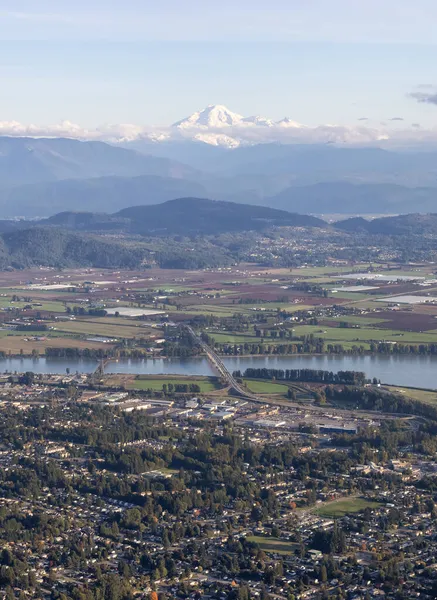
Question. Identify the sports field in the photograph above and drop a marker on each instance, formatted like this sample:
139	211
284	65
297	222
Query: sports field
273	544
340	508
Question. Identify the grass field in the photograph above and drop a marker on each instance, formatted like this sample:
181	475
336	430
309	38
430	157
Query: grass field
331	270
235	338
15	344
365	334
340	508
265	387
103	327
272	544
358	320
206	384
351	296
419	395
245	309
217	311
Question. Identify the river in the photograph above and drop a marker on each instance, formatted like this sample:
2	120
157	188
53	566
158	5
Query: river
408	370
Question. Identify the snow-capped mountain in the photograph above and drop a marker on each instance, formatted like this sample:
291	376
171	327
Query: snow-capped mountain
287	122
214	116
219	126
257	120
217	139
216	125
217	116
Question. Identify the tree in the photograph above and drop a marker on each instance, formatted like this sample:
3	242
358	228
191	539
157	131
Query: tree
10	593
27	378
323	574
291	394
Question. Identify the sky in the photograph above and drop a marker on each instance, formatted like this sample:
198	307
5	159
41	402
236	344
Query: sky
353	63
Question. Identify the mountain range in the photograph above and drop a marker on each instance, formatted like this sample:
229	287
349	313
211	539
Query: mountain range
41	176
98	194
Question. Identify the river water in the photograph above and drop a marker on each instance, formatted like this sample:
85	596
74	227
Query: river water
408	370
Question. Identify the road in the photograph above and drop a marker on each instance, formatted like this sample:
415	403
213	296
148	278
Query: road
219	366
239	390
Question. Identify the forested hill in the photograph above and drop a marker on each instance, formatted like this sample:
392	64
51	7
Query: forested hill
412	224
56	248
186	216
75	239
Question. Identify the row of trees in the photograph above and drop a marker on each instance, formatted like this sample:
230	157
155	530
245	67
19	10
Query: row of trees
181	388
312	375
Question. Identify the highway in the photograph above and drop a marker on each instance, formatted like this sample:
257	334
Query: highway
219	366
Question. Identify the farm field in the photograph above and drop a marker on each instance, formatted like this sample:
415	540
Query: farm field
235	338
340	508
356	296
330	270
217	293
357	320
409	320
349	334
18	344
247	309
102	327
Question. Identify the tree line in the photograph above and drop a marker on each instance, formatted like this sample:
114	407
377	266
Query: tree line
313	375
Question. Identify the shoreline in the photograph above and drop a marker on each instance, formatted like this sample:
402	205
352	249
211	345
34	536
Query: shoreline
200	356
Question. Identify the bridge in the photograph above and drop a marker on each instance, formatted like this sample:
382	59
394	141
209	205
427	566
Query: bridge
219	366
100	370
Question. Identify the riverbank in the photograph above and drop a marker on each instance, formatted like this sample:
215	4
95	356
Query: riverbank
401	370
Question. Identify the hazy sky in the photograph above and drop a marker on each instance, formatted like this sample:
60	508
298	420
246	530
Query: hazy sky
155	61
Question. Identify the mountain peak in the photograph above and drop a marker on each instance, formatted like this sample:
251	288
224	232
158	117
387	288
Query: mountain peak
213	124
287	122
213	116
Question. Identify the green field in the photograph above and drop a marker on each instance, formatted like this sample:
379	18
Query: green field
358	320
331	270
272	544
102	327
340	508
352	296
206	384
211	309
364	334
235	338
245	309
265	387
426	396
49	306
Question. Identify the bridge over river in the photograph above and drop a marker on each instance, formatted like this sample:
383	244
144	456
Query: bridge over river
219	366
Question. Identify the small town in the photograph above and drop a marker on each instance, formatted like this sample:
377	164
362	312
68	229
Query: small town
211	495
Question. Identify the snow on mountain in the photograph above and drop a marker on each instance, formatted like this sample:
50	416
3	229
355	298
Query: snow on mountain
217	116
209	125
287	122
212	117
261	121
217	139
